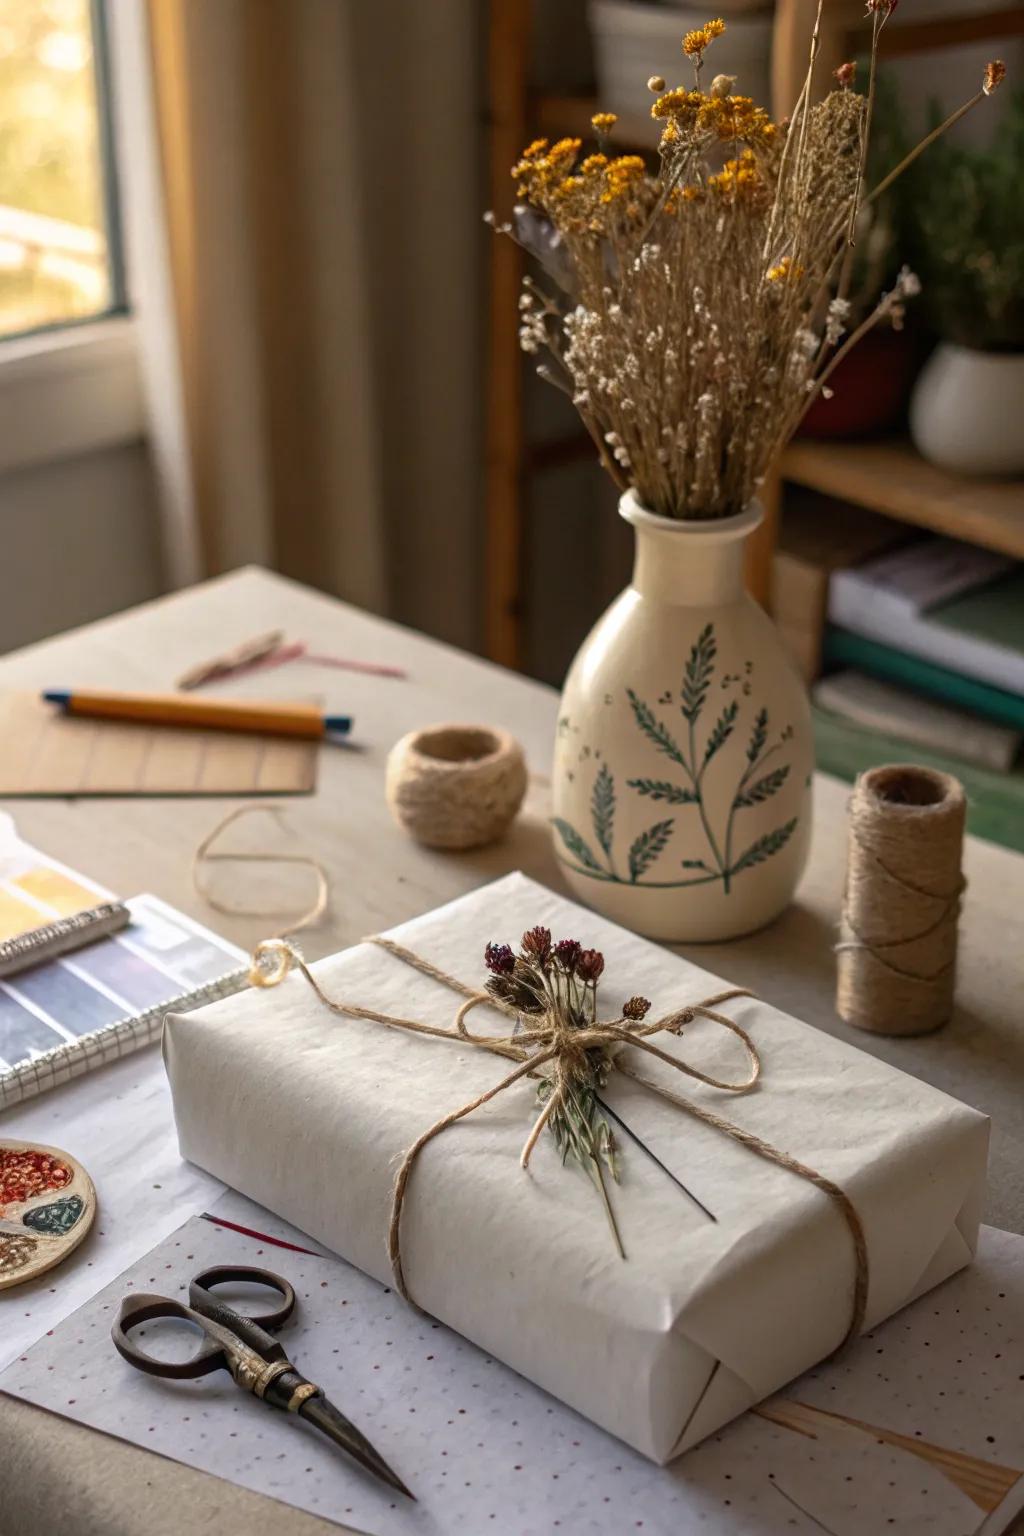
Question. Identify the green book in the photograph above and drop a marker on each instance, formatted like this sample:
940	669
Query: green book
995	801
841	648
993	612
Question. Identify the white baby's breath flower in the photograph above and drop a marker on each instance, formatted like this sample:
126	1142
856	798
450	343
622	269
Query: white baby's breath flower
835	323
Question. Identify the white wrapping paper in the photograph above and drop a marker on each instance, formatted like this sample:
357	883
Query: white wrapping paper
308	1113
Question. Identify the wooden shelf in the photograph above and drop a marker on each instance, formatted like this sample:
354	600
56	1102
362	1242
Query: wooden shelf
558	117
891	477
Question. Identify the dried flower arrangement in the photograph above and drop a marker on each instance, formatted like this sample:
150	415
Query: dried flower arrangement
704	306
559	981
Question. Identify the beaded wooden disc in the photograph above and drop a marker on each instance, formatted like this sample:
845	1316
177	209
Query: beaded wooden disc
47	1205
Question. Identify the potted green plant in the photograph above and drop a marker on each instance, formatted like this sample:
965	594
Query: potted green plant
967	208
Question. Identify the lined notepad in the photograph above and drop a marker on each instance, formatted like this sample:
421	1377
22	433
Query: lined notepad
45	752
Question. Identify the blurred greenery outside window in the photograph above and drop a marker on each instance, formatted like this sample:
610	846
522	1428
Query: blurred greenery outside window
59	253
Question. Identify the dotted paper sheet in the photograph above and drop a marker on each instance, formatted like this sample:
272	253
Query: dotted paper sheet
919	1428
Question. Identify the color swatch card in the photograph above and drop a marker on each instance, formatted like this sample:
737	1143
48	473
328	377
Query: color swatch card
64	1017
46	752
917	1427
36	890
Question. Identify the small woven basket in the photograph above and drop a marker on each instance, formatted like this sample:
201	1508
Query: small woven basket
456	786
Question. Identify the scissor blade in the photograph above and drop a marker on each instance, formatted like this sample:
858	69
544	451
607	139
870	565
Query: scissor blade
321	1412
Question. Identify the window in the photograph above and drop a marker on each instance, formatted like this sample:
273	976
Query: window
59	256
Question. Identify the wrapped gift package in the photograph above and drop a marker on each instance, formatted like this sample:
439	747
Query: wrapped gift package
738	1273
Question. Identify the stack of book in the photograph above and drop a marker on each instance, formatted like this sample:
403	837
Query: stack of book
924	646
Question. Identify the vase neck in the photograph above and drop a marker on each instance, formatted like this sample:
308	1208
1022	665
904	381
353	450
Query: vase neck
692	564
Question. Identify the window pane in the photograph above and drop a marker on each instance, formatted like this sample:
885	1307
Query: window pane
54	252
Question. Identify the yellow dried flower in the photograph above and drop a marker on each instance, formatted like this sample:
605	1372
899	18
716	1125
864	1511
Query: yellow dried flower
677	103
738	178
603	122
592	164
565	150
694	43
785	271
736	117
995	74
621	177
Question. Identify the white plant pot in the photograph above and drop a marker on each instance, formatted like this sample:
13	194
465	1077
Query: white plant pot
682	777
634	41
966	411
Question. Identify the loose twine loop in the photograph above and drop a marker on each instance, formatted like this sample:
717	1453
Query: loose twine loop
544	1042
896	967
204	855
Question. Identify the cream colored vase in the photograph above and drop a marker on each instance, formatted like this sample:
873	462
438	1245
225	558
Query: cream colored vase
682	779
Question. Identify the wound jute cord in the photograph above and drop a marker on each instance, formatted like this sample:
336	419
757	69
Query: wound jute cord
545	1042
896	965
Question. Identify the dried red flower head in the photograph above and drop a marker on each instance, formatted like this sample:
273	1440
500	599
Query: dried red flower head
995	74
637	1008
567	952
536	943
846	74
590	964
499	959
885	6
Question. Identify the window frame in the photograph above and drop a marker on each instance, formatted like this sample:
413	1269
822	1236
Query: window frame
74	386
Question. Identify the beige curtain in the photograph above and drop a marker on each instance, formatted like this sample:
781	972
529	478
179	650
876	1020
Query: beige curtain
320	170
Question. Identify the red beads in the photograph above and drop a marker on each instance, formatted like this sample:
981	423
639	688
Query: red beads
25	1174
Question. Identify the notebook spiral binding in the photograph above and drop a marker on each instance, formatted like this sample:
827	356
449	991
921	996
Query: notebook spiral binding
76	1057
60	936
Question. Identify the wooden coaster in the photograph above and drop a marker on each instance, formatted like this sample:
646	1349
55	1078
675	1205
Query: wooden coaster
47	1205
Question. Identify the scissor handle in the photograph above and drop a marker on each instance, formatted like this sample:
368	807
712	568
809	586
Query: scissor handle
136	1310
200	1297
205	1308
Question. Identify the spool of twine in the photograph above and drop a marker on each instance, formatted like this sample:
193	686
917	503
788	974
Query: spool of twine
456	786
896	966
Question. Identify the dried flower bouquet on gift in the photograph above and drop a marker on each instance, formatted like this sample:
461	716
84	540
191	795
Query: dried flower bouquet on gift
703	306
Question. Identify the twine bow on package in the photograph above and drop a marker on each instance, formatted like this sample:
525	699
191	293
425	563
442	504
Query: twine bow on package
758	1191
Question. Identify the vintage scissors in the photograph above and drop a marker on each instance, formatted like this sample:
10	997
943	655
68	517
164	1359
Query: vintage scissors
240	1344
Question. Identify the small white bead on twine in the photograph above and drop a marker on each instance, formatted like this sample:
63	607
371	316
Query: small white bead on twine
896	965
456	786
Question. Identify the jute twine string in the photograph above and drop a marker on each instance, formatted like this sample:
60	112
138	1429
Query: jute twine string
204	855
545	1042
896	964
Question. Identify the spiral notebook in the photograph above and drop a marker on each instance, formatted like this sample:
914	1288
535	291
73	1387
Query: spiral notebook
68	1015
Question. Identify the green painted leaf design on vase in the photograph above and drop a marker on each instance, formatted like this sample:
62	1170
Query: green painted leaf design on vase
647	847
757	785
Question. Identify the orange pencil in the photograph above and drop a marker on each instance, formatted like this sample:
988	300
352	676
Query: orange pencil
256	716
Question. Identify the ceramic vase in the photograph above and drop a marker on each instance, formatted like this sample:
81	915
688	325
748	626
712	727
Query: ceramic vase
684	752
965	412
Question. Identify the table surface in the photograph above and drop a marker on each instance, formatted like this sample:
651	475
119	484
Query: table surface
81	1483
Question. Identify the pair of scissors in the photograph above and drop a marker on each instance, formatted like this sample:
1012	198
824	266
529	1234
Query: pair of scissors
241	1345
